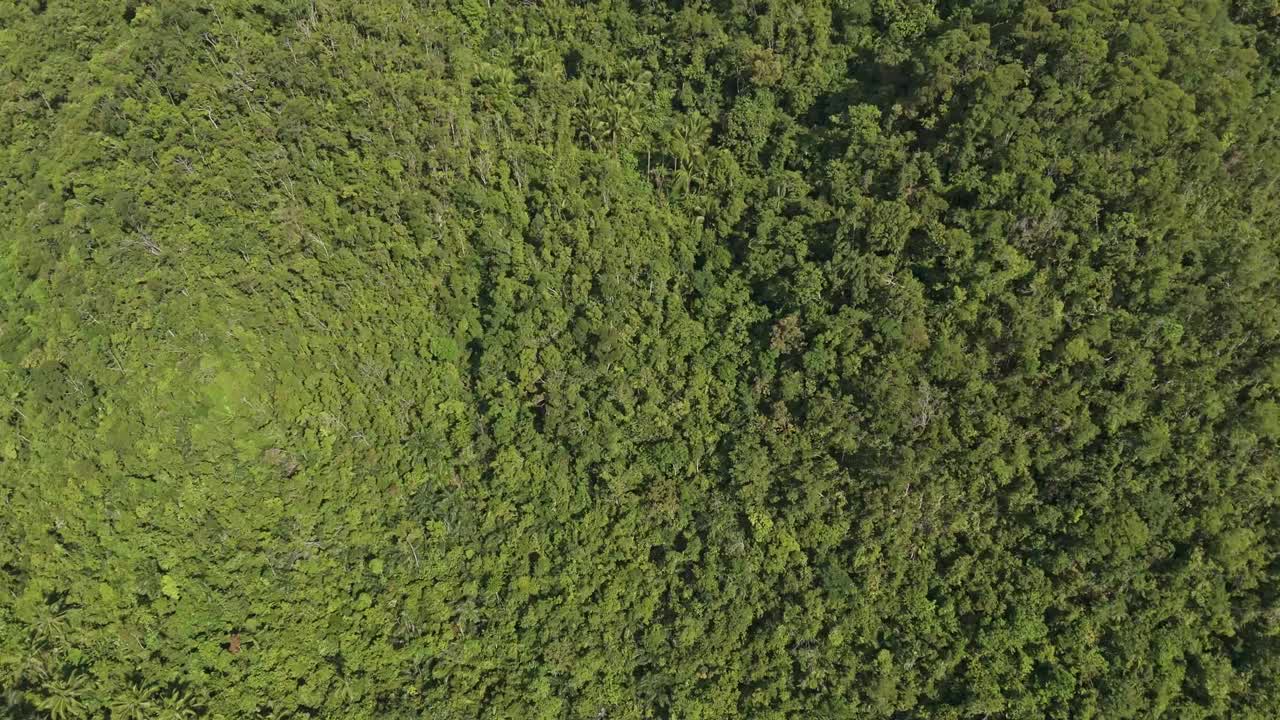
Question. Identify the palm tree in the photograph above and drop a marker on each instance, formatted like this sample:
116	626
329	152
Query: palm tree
537	54
63	698
498	89
635	76
681	180
688	138
133	704
177	705
35	666
50	628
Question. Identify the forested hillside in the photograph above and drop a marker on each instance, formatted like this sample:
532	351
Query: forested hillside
635	360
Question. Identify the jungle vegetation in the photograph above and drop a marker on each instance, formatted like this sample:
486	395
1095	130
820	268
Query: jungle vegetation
640	359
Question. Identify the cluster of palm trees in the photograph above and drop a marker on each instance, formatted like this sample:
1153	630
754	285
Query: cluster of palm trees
48	682
618	110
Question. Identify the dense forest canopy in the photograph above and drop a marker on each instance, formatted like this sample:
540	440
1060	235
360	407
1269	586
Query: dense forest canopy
722	359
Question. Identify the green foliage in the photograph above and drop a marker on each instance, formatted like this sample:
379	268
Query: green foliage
491	358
